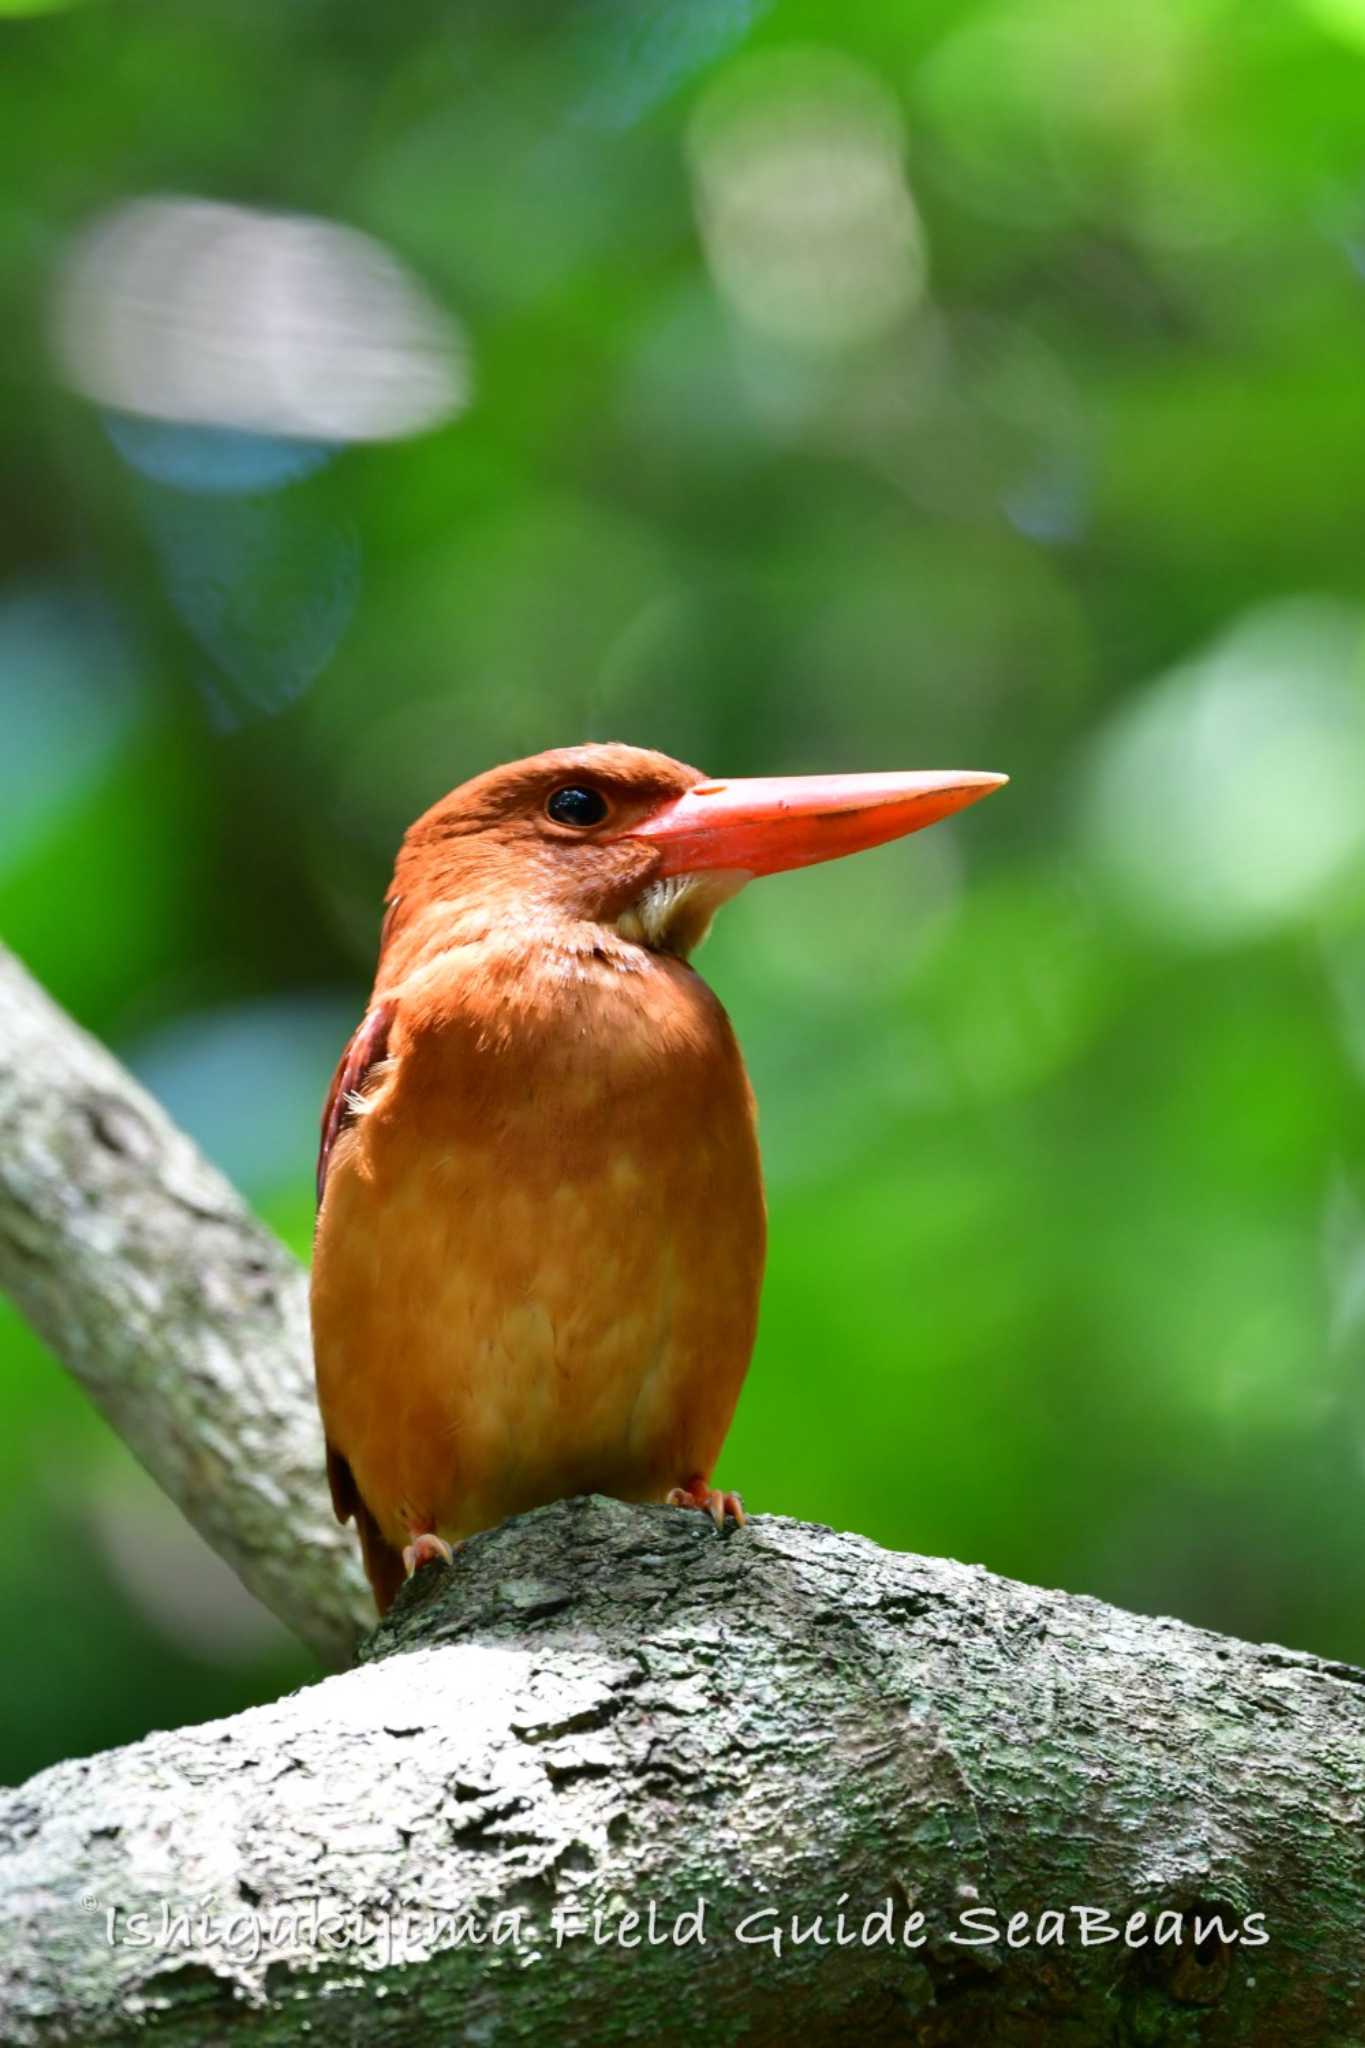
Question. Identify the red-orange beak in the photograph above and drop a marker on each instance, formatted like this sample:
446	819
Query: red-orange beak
769	823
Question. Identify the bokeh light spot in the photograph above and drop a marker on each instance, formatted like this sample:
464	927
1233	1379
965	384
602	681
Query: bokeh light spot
69	699
1342	18
273	324
220	461
266	588
636	54
809	226
243	1080
1226	801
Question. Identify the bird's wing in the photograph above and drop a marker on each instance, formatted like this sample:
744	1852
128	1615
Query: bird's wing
384	1567
341	1484
368	1045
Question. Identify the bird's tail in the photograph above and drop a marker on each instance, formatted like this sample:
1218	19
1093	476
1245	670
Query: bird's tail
383	1564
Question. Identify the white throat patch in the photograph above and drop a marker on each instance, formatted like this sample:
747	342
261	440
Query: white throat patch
674	915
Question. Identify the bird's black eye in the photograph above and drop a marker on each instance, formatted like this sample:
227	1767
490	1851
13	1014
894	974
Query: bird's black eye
577	806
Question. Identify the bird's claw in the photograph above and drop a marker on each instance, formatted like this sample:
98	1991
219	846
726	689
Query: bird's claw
711	1501
428	1548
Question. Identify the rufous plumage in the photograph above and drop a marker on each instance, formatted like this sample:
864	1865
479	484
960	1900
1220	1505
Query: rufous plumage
540	1236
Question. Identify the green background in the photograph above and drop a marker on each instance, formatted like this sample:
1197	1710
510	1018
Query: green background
1052	462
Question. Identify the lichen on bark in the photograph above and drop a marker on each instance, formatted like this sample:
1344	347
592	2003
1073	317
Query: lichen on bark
605	1707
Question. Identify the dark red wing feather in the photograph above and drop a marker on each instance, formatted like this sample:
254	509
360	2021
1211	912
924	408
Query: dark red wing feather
369	1044
384	1566
341	1485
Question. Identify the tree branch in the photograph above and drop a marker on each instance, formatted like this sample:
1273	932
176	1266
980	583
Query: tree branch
183	1318
606	1707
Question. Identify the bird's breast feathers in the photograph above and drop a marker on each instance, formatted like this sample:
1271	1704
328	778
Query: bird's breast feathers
540	1244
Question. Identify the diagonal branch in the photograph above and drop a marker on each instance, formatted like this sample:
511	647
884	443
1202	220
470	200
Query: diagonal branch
182	1316
606	1708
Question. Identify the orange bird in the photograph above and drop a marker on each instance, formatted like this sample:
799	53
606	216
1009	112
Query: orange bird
540	1235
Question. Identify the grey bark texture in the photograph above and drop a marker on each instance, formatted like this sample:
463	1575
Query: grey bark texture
185	1320
604	1711
602	1707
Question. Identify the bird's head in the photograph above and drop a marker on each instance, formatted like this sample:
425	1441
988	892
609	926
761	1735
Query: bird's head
623	837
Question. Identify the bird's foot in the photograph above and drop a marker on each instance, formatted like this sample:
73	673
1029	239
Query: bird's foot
428	1548
697	1494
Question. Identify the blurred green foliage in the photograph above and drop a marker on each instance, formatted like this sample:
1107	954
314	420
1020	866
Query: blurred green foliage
974	383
